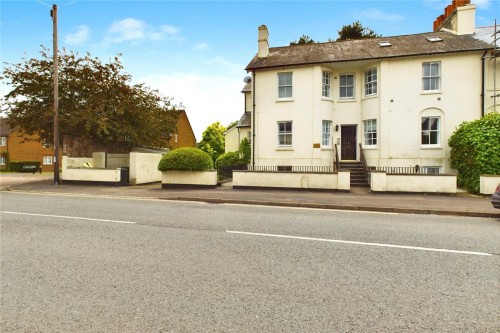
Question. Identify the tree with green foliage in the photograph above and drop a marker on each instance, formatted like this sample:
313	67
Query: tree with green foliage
97	101
213	140
245	151
304	39
356	31
475	150
232	124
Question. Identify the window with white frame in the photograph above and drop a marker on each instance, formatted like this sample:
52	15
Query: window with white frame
431	131
3	141
47	160
431	169
370	132
431	76
327	82
284	133
346	86
285	85
3	160
326	130
371	82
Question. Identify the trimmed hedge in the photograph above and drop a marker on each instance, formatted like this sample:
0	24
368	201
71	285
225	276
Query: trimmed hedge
24	166
186	159
475	150
228	159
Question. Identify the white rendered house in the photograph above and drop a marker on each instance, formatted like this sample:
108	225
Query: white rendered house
398	99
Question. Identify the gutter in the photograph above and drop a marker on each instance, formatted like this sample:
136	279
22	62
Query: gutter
483	66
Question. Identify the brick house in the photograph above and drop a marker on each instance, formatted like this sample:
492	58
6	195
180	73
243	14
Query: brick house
16	146
183	136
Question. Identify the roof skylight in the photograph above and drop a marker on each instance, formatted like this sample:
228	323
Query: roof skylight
384	44
433	39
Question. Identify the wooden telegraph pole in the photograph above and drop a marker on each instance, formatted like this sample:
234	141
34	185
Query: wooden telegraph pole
53	14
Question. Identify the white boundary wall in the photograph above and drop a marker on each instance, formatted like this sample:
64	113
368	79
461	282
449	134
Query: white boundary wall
417	183
297	180
193	178
488	183
144	168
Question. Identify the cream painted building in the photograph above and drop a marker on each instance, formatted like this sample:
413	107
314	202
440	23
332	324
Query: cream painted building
397	99
242	130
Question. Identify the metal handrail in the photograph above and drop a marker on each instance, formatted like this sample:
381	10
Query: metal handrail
362	159
336	165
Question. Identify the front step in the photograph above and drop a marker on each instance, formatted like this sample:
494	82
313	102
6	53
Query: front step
358	176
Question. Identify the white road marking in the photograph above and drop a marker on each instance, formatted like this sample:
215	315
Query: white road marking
359	243
69	217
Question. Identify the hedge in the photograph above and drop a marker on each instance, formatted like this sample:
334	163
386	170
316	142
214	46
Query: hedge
186	159
475	150
228	159
23	166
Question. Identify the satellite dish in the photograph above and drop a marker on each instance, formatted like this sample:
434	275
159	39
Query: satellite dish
247	79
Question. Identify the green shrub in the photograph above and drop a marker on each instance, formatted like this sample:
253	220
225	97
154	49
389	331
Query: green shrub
228	159
245	150
186	159
23	166
475	150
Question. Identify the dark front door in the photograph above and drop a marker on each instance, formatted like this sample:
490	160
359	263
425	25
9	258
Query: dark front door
348	142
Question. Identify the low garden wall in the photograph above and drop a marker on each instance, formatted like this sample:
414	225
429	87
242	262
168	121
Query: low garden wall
488	184
176	179
414	183
293	180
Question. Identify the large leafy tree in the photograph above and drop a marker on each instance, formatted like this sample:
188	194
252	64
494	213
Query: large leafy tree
213	140
97	101
356	31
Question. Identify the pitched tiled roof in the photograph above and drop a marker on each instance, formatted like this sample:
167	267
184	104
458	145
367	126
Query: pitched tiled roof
367	49
247	88
245	120
5	128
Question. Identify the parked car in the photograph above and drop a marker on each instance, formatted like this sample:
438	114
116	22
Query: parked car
495	198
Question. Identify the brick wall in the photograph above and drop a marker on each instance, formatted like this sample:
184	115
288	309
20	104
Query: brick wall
183	133
26	148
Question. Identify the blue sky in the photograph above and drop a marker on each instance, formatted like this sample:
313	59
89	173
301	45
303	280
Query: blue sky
196	51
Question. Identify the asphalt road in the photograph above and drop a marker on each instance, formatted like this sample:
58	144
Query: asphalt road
82	264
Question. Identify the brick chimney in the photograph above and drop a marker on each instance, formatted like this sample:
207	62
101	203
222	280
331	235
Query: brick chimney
263	42
458	18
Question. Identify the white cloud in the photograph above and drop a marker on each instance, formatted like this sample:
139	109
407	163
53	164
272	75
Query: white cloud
131	29
163	33
379	15
79	37
200	47
127	30
207	99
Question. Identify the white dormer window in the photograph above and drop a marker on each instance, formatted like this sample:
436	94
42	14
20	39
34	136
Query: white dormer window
3	141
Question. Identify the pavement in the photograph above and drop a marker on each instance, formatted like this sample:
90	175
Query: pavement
358	199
